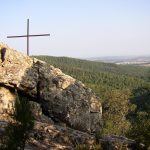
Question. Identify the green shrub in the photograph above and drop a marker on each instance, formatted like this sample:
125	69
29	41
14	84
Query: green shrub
85	147
16	133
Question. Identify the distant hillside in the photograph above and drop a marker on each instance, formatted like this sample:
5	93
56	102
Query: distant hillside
138	60
101	77
66	63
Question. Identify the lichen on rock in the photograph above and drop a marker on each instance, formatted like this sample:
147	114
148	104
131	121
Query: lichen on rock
60	96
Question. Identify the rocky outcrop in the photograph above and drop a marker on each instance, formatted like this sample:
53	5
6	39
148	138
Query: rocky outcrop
64	107
114	142
46	134
61	97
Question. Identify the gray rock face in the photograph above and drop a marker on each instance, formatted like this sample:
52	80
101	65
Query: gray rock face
54	137
46	135
114	142
61	96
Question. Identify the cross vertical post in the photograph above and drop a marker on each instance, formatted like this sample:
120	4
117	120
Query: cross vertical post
27	37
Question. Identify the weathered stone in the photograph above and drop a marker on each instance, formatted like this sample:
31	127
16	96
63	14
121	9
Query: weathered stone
46	135
61	96
6	101
114	142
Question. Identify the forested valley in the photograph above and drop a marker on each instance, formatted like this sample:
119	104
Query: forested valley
124	91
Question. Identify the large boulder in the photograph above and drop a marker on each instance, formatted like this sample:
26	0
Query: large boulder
61	97
46	134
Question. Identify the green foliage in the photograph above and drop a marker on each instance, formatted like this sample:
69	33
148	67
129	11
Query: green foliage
122	109
23	112
140	117
17	132
101	77
141	97
92	147
115	109
73	65
82	147
140	130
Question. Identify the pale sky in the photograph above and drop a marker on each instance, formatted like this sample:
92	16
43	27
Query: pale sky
78	28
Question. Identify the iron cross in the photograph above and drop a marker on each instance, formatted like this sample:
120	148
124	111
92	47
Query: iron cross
27	36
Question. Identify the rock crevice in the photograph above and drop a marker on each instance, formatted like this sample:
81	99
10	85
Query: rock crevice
60	96
69	106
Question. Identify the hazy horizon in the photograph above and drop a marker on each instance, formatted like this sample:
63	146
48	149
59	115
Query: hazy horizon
108	56
79	29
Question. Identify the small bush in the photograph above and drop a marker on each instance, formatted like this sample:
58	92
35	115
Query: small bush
92	147
16	133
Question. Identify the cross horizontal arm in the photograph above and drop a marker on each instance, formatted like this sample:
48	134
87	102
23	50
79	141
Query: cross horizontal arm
28	35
